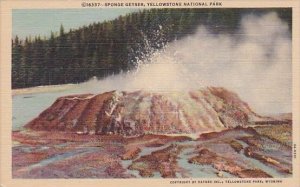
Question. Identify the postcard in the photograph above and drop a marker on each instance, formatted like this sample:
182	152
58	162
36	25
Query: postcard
131	93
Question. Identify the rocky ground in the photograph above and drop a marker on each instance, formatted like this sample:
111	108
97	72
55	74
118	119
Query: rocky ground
205	133
244	152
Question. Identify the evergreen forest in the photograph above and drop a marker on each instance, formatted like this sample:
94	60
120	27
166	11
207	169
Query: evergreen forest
114	46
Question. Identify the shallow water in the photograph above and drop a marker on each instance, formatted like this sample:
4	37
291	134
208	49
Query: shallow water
195	170
144	151
149	150
156	174
259	165
26	107
125	164
59	157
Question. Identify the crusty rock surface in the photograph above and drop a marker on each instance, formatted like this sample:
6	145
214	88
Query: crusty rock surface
141	112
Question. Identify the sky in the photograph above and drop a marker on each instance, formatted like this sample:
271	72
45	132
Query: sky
33	22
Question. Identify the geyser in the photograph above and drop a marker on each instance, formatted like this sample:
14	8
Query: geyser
255	62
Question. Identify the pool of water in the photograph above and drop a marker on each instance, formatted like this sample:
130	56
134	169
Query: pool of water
59	157
259	165
195	170
125	164
26	107
144	151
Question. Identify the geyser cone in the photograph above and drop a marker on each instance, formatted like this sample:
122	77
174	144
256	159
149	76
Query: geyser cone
141	112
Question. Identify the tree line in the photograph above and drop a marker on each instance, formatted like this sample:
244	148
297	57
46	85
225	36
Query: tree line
112	46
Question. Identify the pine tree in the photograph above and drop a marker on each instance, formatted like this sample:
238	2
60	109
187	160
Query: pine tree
102	49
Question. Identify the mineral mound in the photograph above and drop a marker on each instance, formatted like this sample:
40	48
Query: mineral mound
141	112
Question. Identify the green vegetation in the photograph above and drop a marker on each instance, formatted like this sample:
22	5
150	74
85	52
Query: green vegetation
278	133
110	47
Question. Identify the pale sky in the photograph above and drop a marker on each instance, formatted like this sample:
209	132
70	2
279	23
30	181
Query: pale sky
33	22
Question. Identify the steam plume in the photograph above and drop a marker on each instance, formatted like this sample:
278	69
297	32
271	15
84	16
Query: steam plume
255	62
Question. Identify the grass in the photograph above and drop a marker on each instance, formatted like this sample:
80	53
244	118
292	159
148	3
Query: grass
279	133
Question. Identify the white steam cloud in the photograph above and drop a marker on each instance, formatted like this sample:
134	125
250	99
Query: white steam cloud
255	63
